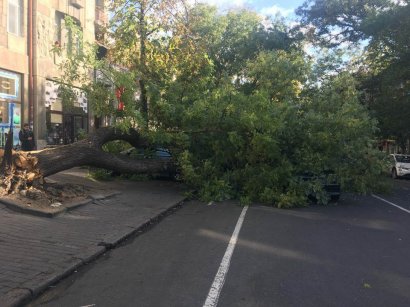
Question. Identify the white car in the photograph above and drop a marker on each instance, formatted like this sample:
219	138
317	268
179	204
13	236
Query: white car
400	165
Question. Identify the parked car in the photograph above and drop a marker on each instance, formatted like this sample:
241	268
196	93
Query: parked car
155	153
328	182
159	153
400	165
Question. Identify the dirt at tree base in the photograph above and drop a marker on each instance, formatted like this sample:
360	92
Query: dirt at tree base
50	197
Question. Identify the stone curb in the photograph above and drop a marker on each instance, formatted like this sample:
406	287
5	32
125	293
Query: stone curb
20	296
64	208
16	297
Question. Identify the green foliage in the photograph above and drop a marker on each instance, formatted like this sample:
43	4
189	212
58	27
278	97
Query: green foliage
116	146
336	21
383	26
100	174
79	68
256	146
81	134
341	130
233	99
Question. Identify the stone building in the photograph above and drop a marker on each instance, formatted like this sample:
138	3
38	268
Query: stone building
28	68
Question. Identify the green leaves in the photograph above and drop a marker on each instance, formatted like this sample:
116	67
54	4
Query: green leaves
336	21
278	73
258	149
383	28
236	101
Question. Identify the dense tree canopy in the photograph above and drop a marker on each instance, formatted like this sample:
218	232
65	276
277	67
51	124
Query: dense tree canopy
234	98
384	73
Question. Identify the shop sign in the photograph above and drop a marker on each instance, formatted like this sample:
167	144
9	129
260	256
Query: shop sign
9	85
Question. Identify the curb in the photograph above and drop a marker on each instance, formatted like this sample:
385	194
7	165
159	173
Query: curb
20	296
65	208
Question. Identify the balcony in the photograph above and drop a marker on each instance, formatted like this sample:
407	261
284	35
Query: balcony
77	3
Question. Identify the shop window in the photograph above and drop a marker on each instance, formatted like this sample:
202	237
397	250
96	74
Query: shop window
9	110
56	118
4	112
9	85
15	17
10	105
57	106
55	134
55	122
64	124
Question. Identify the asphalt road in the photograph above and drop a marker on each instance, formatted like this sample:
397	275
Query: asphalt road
355	253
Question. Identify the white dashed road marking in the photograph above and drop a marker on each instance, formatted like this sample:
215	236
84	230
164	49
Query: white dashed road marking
390	203
215	291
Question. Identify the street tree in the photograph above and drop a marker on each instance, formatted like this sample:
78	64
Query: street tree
230	96
384	74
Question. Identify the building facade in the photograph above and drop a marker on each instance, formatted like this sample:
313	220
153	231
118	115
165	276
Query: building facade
29	29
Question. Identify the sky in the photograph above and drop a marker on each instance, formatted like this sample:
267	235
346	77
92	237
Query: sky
265	7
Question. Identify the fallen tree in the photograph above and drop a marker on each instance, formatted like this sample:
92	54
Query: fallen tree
30	168
246	110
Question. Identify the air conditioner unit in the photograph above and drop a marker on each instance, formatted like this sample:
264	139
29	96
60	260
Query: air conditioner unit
77	3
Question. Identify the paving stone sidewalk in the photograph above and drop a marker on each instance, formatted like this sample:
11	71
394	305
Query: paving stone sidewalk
35	252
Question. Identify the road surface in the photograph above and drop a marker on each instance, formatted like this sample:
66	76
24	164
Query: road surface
355	253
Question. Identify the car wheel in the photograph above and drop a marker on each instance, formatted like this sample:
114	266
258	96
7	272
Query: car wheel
394	174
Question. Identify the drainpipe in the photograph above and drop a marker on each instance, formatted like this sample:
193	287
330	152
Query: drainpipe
31	64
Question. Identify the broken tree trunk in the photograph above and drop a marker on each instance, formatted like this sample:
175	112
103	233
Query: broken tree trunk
9	181
35	165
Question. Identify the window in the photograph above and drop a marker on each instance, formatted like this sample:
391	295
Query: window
58	24
64	36
403	159
15	17
99	4
64	123
10	85
4	112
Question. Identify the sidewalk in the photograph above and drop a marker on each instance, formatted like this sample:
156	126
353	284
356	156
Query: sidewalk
36	252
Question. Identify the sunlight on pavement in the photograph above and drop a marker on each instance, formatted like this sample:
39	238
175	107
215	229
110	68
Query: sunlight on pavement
376	224
260	247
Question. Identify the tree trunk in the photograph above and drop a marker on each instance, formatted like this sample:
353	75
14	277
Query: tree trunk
34	166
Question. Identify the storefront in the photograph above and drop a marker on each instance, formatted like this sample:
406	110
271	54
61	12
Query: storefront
10	105
65	124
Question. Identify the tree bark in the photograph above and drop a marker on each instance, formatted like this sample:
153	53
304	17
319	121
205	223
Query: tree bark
35	165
